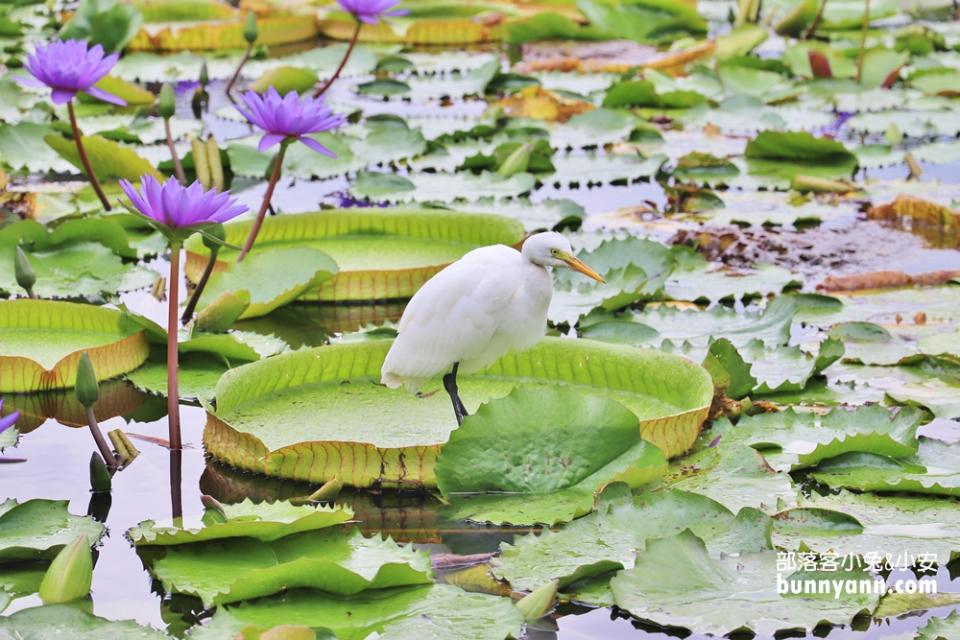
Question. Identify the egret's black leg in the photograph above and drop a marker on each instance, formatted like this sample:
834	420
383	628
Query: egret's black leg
450	384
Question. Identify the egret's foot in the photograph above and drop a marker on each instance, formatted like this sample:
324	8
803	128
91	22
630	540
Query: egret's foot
450	384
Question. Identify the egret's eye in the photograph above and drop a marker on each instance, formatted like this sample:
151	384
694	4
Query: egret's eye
555	252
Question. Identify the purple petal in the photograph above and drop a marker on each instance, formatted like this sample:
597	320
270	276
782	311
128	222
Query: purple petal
62	96
316	146
270	139
29	81
100	94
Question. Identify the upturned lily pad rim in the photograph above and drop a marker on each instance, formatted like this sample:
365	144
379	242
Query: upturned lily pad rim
22	374
474	229
554	360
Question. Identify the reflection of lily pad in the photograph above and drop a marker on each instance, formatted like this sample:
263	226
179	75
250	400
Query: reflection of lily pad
337	420
117	398
428	611
381	254
41	343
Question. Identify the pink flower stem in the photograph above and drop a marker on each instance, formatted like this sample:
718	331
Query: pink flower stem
336	74
268	194
173	389
84	160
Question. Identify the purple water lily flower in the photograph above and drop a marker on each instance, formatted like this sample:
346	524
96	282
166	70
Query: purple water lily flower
372	11
290	117
176	206
66	67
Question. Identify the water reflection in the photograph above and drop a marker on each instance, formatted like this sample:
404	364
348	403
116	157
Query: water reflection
311	325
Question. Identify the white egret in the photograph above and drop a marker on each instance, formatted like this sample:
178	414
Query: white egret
492	301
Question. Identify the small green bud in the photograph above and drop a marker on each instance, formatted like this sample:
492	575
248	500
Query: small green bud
70	574
538	602
23	271
100	481
166	105
250	29
213	233
88	390
204	74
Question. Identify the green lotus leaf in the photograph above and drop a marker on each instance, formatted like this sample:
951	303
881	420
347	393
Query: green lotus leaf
265	521
896	604
322	395
238	569
754	369
541	456
609	538
75	259
771	326
381	254
940	628
445	187
699	280
285	79
865	524
784	154
934	470
272	278
108	23
22	147
39	623
41	528
792	440
109	159
676	582
42	342
428	612
732	474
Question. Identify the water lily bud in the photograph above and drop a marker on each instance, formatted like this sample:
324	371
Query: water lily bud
250	29
70	574
538	602
204	74
166	105
23	271
516	162
100	480
212	234
88	390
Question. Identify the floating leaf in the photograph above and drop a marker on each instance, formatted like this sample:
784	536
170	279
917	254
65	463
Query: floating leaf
265	521
327	560
41	528
39	623
542	455
110	161
675	582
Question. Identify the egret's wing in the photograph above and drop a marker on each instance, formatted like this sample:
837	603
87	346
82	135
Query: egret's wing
455	314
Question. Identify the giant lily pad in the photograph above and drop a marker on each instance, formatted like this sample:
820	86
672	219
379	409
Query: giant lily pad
42	342
338	421
380	254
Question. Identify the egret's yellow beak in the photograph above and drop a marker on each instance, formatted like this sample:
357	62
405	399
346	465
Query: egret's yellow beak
577	265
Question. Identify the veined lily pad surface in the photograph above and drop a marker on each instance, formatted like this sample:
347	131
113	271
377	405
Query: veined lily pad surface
41	343
338	421
381	254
